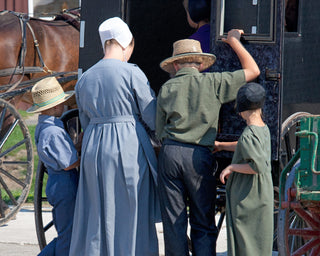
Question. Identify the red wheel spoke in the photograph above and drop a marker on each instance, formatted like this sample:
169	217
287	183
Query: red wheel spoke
315	251
308	218
306	247
304	232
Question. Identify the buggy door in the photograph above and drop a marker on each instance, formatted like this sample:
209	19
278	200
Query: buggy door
261	21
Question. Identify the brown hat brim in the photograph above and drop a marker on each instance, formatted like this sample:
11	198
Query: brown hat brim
207	59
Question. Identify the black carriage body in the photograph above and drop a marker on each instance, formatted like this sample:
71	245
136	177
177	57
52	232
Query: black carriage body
288	61
301	62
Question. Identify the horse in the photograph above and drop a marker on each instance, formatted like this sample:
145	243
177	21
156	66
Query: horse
31	48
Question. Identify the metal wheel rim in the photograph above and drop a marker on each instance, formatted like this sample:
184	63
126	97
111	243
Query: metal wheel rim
286	127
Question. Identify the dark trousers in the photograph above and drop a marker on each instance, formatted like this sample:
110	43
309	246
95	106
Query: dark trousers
61	192
186	178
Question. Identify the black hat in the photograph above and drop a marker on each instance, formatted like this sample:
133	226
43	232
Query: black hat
250	96
199	10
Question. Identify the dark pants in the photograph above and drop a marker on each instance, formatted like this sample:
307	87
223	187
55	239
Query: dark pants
186	177
61	192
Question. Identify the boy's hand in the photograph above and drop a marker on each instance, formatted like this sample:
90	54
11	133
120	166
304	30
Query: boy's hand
233	34
225	174
217	147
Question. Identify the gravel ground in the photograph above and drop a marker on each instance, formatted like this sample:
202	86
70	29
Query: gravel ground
18	237
32	120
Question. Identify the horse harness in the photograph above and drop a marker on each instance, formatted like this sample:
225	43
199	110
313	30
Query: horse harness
21	69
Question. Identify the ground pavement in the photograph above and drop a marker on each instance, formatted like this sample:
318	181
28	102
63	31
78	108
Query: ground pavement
18	237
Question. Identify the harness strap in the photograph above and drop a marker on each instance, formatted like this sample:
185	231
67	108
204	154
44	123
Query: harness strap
23	19
23	51
23	70
36	44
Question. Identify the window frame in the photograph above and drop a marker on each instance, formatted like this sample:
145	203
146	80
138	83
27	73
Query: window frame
250	37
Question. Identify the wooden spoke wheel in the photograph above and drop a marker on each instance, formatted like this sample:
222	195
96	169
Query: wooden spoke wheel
16	161
298	226
73	127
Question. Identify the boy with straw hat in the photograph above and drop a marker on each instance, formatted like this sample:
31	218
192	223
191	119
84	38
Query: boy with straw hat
187	120
59	155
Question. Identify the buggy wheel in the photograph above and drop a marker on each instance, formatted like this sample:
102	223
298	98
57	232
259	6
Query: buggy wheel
299	226
39	191
289	143
16	161
73	127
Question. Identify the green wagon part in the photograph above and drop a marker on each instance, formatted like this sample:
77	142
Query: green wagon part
299	215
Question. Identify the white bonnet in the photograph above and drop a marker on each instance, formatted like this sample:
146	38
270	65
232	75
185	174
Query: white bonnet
115	28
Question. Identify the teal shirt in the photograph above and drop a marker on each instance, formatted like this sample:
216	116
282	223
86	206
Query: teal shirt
188	104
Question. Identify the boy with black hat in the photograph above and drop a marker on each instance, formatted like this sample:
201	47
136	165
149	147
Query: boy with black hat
59	155
187	120
249	190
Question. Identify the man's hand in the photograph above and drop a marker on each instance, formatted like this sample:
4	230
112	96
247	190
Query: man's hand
248	64
232	35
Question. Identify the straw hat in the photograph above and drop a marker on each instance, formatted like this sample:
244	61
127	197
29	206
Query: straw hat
188	50
115	28
46	94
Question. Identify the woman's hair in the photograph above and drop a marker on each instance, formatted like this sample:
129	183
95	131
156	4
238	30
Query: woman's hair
199	10
113	41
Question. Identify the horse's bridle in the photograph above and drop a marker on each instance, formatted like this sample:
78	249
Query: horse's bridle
21	69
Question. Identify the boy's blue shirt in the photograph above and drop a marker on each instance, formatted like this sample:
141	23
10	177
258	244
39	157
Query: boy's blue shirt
54	145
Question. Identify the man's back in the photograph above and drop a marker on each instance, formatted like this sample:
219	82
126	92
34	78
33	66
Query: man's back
189	104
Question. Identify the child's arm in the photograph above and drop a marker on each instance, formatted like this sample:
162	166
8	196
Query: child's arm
250	67
226	146
241	168
78	148
74	165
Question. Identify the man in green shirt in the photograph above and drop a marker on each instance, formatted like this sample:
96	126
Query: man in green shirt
187	119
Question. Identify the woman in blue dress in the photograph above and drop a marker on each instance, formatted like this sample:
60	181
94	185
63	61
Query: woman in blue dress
117	205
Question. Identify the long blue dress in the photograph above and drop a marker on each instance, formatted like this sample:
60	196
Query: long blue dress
117	205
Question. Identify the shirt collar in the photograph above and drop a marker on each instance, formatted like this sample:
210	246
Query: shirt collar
187	71
45	119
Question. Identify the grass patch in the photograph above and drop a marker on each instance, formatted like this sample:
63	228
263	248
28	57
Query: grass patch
24	114
30	198
15	137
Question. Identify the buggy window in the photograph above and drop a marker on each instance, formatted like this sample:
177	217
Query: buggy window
255	17
291	15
